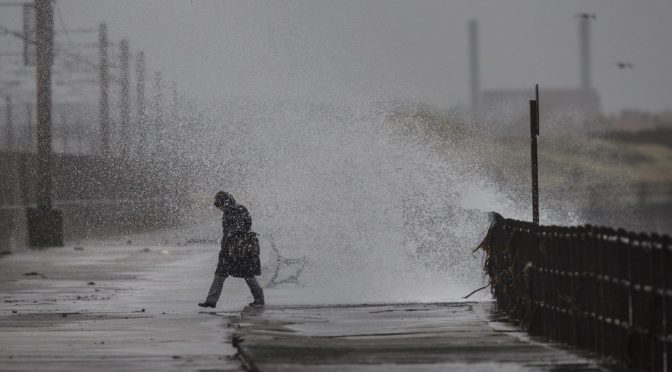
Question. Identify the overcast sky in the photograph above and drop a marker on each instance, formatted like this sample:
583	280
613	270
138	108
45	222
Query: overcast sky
344	51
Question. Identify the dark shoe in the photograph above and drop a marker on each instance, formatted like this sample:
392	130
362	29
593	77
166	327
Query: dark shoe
205	304
256	304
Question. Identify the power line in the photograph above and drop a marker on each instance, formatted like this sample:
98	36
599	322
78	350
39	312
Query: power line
81	30
8	31
58	51
65	30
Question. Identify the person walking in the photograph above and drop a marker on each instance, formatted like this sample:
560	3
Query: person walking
239	254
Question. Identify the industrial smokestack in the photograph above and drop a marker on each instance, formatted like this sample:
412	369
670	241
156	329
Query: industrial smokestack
584	41
474	83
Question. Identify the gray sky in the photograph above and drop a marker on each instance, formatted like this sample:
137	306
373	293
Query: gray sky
345	51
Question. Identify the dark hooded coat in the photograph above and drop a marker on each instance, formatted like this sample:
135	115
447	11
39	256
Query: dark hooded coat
239	256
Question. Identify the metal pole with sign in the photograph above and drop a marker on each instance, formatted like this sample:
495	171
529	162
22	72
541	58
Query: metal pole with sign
534	133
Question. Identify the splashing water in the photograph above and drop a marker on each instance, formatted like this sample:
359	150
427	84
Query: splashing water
379	214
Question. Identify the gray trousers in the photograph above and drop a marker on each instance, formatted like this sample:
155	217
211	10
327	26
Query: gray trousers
218	284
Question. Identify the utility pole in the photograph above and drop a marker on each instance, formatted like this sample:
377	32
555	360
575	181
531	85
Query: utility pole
175	109
157	127
13	174
29	137
9	144
125	99
174	123
45	224
140	104
534	133
104	77
11	150
80	136
65	133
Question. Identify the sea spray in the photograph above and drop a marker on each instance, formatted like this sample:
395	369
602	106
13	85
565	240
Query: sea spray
380	213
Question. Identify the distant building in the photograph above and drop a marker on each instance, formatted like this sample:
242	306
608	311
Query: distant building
504	110
636	121
507	111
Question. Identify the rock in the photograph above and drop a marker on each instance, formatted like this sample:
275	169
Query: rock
145	250
79	248
14	311
91	283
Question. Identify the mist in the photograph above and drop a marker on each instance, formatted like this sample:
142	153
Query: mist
346	128
349	51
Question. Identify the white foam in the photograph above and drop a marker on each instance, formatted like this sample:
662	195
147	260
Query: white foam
381	215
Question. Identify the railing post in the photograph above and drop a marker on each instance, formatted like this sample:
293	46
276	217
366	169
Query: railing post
573	279
667	290
600	289
659	292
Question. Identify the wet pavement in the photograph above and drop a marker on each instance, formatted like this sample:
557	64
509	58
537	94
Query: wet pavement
394	337
108	306
112	307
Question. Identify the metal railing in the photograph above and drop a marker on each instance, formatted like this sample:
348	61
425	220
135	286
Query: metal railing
597	288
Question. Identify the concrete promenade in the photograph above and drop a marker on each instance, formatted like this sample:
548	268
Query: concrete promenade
106	306
131	306
394	337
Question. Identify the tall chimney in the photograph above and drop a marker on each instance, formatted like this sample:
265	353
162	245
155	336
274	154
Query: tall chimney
474	83
584	41
474	78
